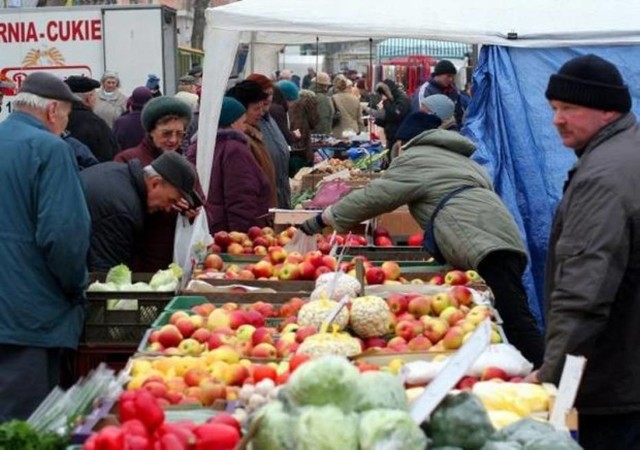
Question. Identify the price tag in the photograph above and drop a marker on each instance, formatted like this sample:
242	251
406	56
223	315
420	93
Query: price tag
567	390
457	365
326	325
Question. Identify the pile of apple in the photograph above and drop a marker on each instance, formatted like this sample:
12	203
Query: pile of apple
243	330
440	322
256	241
276	265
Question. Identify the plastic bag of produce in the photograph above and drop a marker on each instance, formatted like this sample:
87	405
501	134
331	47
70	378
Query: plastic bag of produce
388	429
329	194
191	242
504	356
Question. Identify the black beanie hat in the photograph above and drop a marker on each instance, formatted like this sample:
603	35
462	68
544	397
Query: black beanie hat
444	67
247	92
590	81
417	123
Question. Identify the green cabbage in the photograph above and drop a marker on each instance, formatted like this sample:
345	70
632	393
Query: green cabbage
326	428
495	445
119	275
276	428
523	431
177	270
97	286
388	429
329	380
553	441
380	390
162	278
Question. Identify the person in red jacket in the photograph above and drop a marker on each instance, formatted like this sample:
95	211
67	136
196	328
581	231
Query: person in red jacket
239	192
165	120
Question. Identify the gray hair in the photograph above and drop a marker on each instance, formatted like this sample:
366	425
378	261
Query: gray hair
28	100
150	172
110	74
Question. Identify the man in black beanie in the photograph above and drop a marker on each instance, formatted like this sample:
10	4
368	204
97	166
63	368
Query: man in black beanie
593	269
442	81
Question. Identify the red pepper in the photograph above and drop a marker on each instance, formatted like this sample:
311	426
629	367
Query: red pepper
90	444
172	442
216	436
184	434
110	438
226	419
133	442
148	410
135	427
126	407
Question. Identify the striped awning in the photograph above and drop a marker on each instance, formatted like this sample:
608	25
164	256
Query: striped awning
399	47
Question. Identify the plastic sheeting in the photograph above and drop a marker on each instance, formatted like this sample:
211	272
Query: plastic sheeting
511	122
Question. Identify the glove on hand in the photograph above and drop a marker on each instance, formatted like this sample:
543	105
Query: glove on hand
312	226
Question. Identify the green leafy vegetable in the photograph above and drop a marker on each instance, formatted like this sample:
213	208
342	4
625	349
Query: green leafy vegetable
119	275
327	428
387	429
17	434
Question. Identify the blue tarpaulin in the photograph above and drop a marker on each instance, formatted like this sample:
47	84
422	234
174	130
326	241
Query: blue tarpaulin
511	122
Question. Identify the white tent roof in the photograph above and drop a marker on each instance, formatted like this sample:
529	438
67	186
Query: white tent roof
540	23
523	23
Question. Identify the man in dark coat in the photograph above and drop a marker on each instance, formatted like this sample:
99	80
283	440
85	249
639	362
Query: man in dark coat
45	230
592	293
85	125
128	128
120	196
395	107
442	81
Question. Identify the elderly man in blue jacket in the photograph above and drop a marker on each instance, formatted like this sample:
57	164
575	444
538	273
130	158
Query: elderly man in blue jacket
44	229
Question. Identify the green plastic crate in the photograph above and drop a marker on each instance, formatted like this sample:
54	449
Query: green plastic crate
162	319
185	302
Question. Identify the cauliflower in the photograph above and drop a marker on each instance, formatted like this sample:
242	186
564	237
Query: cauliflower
315	313
370	316
345	285
321	344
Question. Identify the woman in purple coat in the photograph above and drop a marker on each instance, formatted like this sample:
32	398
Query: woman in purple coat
239	192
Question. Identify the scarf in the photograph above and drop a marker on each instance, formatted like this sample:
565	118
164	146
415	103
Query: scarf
260	153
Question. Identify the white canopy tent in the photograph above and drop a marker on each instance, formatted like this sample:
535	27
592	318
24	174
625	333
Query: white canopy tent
267	25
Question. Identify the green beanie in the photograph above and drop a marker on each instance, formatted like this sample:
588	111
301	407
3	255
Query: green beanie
161	107
289	90
231	111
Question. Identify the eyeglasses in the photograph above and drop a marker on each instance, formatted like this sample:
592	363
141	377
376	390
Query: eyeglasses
166	134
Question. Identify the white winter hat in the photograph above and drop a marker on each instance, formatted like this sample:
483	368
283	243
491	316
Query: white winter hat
440	105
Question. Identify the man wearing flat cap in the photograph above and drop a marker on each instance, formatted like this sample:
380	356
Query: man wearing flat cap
593	268
85	125
165	121
122	197
45	228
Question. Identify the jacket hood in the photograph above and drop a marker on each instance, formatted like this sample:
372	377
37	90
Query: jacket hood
386	90
448	140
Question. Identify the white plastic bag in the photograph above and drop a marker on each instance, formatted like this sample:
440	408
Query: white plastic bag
504	356
191	242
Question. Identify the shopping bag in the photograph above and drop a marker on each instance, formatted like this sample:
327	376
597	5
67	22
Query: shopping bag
191	242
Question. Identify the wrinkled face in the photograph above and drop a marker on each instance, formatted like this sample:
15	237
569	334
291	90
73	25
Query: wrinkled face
240	124
254	113
110	84
161	195
578	124
167	135
57	116
446	79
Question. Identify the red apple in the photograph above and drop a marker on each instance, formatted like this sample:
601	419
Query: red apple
491	373
462	294
397	344
264	350
222	239
451	315
307	270
289	271
262	269
383	241
330	262
177	316
434	329
262	371
466	383
398	303
235	248
419	344
440	302
261	335
453	338
320	271
324	248
375	342
406	330
255	318
186	327
381	231
375	275
213	261
254	232
201	335
277	254
415	240
456	277
419	306
304	332
391	270
438	280
169	336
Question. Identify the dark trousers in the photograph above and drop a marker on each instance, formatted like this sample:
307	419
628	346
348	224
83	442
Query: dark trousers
502	270
611	432
27	375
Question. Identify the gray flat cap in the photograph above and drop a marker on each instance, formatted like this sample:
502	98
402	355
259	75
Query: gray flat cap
49	86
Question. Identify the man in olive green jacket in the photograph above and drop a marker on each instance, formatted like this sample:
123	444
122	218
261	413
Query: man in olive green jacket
467	224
